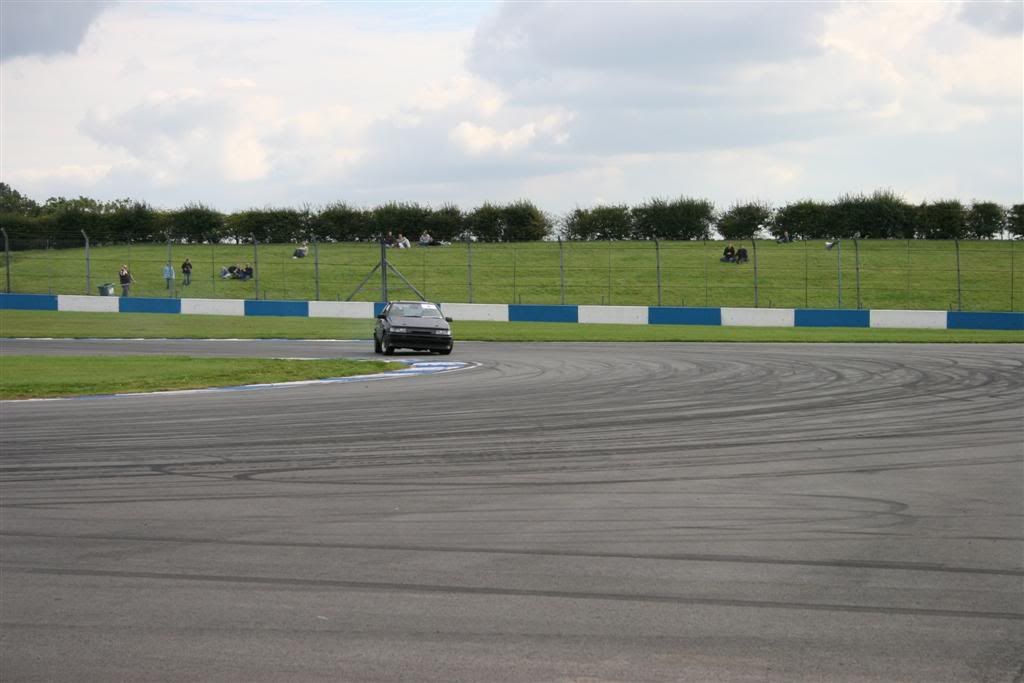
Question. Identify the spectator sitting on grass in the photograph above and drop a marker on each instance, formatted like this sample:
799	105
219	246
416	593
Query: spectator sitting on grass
741	255
301	252
729	255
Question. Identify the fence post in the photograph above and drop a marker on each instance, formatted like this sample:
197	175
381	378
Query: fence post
753	246
908	274
49	261
6	255
384	271
807	273
561	271
170	262
839	269
1011	275
515	261
657	262
213	267
707	292
609	272
469	266
256	267
88	265
959	292
316	267
856	253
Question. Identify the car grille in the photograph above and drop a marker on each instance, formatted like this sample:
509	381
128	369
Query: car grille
424	336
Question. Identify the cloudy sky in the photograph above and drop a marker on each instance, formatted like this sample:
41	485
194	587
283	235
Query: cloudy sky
240	105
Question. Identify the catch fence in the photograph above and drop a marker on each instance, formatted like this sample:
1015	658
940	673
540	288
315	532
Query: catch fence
848	274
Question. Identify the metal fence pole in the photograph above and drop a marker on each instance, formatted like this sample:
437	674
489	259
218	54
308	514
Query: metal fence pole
753	246
908	273
657	262
609	272
170	262
561	271
707	292
515	268
88	264
469	267
213	267
316	267
807	273
839	270
49	261
959	291
6	255
856	253
256	267
1011	276
383	272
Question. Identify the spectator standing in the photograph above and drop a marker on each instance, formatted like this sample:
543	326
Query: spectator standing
125	276
186	272
169	275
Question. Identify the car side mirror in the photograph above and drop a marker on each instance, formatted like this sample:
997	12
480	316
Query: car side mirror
448	320
381	315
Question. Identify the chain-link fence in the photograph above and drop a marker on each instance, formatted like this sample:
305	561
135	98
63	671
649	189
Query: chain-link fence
879	274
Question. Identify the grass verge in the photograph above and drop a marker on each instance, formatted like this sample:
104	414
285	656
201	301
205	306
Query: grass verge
53	376
151	325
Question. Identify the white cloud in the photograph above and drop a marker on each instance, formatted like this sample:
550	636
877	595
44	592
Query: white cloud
480	139
83	175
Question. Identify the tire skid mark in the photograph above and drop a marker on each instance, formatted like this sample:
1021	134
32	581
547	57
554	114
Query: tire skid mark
335	584
474	550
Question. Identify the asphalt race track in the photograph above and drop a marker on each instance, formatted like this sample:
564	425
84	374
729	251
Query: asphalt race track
563	512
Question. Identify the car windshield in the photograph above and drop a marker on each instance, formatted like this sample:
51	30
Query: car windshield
415	311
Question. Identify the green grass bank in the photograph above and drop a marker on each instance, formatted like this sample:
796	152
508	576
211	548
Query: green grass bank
57	376
880	274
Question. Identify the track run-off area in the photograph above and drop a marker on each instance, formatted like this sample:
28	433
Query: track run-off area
555	512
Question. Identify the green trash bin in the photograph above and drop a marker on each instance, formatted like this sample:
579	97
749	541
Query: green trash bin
106	289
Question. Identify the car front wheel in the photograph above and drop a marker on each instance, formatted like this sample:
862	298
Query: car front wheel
389	350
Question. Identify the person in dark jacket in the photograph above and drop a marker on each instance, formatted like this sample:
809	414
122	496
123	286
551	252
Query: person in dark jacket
125	276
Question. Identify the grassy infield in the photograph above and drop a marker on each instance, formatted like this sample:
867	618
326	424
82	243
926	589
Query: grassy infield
893	274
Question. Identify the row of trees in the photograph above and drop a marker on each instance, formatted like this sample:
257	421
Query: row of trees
60	221
881	215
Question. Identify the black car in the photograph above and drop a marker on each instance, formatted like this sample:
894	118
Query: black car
415	325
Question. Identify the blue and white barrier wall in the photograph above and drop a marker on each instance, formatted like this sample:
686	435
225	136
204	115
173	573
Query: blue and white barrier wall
621	315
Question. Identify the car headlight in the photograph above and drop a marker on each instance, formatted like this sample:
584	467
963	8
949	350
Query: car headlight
443	332
400	330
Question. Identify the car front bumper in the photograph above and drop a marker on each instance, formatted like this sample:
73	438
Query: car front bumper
420	340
